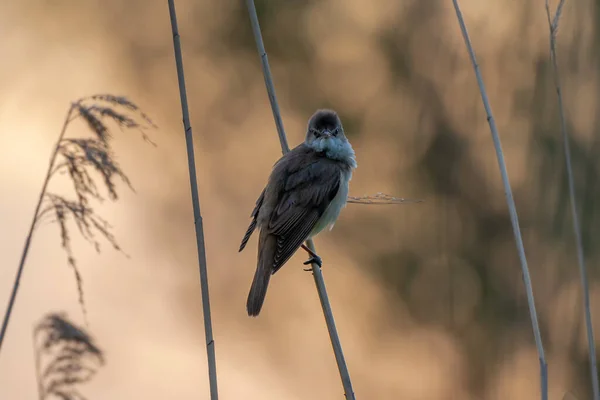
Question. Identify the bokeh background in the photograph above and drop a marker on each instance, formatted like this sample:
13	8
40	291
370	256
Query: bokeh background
428	297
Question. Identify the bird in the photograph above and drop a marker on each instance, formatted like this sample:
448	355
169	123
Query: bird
305	193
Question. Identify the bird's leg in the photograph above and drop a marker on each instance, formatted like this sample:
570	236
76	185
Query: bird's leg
314	258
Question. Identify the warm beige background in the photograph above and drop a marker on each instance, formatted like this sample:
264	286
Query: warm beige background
145	312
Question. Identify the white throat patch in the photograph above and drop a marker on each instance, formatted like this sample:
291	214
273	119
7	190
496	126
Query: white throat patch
336	149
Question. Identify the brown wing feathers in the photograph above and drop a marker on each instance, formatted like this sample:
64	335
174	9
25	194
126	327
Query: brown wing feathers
252	226
302	204
304	189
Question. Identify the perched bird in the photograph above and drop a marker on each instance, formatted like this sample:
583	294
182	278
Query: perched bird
307	189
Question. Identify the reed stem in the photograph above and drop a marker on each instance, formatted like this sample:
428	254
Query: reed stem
317	273
15	289
512	209
189	141
553	26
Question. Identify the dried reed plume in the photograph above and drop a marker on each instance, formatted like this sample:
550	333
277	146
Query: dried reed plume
553	27
79	158
65	357
512	209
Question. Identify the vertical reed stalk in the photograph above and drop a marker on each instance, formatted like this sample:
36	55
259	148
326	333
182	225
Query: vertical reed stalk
210	343
317	273
511	207
553	26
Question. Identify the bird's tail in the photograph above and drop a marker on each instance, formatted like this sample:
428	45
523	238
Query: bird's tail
258	290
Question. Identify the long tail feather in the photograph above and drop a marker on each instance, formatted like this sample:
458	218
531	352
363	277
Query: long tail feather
258	290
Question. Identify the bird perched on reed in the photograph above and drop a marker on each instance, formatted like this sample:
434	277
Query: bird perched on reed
307	189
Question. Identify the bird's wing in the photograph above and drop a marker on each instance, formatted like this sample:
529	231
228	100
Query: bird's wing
254	216
306	192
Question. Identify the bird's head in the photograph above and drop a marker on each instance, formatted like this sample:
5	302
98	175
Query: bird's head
326	134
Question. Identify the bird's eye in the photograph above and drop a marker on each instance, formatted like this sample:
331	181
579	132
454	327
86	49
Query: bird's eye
336	131
316	133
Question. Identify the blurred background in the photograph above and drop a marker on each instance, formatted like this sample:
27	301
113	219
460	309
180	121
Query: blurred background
428	298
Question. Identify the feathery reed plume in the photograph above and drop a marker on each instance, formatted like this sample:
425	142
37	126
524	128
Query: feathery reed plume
381	199
317	273
553	27
79	158
511	206
189	141
65	357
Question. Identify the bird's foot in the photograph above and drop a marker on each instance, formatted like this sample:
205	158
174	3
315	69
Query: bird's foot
313	259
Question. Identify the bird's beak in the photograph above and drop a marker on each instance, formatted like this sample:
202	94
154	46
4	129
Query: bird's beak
326	133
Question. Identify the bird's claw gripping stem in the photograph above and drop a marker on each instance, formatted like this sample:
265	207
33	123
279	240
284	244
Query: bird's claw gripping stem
314	258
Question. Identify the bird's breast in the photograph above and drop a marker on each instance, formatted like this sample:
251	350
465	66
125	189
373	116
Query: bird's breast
332	211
